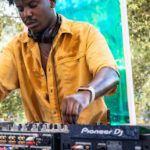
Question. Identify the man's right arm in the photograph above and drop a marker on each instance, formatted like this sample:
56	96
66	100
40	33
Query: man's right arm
8	72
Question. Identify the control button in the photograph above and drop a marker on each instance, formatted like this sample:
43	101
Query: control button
138	148
30	141
66	146
101	146
77	147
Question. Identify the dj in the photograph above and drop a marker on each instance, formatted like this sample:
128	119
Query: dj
63	67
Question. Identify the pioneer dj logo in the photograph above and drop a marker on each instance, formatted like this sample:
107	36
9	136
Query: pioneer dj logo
115	132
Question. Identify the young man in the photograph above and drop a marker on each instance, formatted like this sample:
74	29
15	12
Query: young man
63	67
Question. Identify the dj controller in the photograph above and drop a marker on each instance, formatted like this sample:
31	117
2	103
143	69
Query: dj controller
45	136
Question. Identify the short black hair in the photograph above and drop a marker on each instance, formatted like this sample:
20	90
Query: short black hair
11	2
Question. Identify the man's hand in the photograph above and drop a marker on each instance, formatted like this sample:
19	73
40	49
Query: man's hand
72	105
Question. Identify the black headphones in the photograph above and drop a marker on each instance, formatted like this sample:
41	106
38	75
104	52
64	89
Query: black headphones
47	35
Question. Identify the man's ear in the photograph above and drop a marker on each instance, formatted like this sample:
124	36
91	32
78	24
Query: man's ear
52	3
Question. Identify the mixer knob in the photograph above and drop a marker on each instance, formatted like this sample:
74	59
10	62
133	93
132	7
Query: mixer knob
60	127
14	127
29	126
39	126
19	127
44	128
55	126
34	128
51	126
65	129
24	128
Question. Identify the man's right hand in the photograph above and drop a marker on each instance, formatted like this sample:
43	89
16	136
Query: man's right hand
73	104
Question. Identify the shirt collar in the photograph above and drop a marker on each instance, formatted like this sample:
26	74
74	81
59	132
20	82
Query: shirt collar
65	25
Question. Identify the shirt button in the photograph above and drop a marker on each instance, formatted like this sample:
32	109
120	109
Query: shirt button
54	112
49	69
51	90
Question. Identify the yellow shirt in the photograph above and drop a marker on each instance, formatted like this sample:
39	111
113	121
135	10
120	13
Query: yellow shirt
78	52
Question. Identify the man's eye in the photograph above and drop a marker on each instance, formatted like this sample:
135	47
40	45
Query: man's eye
20	9
33	5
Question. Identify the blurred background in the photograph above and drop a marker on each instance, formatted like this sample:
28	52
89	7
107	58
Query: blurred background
106	16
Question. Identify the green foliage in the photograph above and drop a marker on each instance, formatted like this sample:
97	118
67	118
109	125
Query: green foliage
139	27
11	108
10	23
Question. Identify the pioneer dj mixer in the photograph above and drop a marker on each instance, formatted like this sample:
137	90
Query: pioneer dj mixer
45	136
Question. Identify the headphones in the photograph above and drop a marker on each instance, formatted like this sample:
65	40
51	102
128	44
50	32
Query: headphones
47	35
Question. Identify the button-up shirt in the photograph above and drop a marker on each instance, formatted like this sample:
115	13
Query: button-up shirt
78	52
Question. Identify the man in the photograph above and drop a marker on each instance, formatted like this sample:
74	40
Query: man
63	67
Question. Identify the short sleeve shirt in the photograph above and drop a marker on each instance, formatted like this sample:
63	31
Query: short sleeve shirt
78	52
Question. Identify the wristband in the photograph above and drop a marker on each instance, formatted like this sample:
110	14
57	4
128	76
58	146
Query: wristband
90	89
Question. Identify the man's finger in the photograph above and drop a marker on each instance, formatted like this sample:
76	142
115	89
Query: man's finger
64	109
69	110
75	112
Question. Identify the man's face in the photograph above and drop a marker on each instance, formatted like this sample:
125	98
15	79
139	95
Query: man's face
36	14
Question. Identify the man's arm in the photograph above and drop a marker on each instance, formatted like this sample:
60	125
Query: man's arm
104	82
8	72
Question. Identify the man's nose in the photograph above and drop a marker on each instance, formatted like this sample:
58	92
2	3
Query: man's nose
27	12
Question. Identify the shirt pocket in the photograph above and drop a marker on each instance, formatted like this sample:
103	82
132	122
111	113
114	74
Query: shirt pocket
69	67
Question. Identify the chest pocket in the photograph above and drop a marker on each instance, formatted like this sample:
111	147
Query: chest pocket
69	66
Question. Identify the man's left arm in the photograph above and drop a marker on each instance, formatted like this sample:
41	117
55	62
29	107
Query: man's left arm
105	78
105	81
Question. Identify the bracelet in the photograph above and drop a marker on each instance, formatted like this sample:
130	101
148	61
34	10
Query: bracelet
90	89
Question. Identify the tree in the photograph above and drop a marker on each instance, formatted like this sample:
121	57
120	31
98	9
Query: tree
139	27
